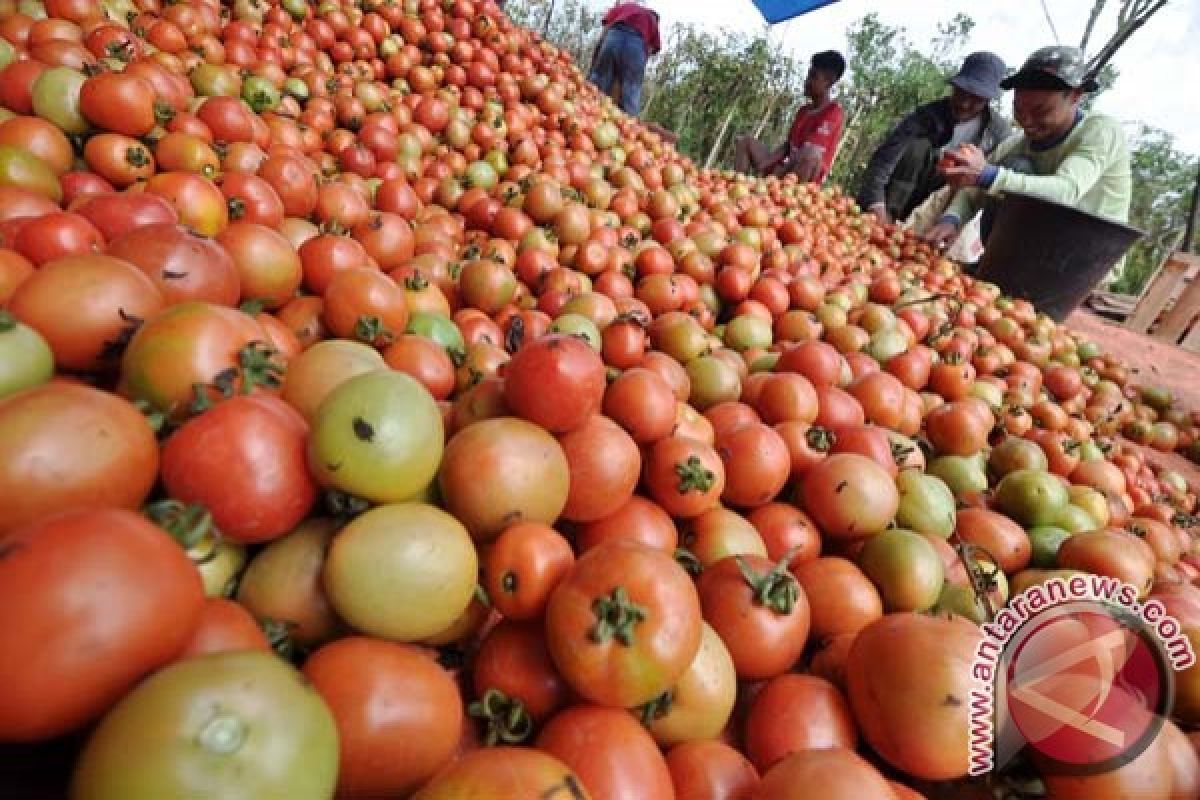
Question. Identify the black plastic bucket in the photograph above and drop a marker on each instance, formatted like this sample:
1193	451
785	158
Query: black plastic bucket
1050	254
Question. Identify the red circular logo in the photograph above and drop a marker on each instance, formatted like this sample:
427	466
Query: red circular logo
1087	688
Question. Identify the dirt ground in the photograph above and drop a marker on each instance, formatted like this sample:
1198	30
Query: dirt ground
1154	363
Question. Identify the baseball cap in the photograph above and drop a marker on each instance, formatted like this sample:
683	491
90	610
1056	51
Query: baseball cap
1054	67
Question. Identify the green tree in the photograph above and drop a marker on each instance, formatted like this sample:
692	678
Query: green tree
1163	178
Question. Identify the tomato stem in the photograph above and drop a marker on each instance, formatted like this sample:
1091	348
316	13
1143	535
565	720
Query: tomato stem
187	523
776	589
616	616
687	559
693	475
657	708
507	720
7	321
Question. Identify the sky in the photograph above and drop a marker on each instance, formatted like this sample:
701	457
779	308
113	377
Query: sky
1159	67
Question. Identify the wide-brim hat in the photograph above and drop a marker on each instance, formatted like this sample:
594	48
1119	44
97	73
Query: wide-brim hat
1054	67
981	75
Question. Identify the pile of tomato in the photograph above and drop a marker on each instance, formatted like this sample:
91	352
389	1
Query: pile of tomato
384	414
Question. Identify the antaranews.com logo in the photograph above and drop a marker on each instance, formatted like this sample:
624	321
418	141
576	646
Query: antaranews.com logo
1079	670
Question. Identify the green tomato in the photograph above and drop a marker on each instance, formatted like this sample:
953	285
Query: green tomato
905	567
963	474
747	331
886	344
1032	497
8	53
403	572
765	362
1090	451
926	504
234	724
1045	540
578	325
24	170
296	88
217	559
297	8
377	436
1074	519
497	160
481	174
209	80
35	9
260	94
440	329
989	393
56	98
1089	350
960	600
605	135
713	381
25	358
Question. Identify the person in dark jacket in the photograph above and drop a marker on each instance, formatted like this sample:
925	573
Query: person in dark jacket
630	37
903	172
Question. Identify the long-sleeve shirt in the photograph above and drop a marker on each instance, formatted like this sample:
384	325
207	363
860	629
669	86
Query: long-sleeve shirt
934	122
642	20
1089	170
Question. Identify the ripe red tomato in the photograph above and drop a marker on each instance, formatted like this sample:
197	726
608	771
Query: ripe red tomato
523	566
245	461
65	446
685	476
514	661
609	750
224	626
556	381
605	464
760	612
115	560
624	624
794	713
398	713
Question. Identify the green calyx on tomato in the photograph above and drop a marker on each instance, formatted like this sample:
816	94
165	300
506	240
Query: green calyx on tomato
776	589
218	559
257	366
506	719
694	476
616	617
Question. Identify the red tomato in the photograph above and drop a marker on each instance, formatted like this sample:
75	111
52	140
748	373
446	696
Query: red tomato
224	626
65	446
245	461
151	596
610	752
556	381
624	624
760	612
398	713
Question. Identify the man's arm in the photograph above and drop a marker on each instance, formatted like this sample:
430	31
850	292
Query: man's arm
1099	146
886	157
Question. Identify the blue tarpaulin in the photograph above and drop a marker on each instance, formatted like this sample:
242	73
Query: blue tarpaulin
781	10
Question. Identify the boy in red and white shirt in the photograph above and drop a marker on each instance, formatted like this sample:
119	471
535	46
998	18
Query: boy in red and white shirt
813	139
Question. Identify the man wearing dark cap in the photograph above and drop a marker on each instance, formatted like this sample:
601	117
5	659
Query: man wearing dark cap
1062	154
903	171
816	131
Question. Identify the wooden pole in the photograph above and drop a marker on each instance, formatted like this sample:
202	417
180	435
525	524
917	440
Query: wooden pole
1190	231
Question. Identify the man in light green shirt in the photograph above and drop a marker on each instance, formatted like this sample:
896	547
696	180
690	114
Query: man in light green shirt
1062	154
